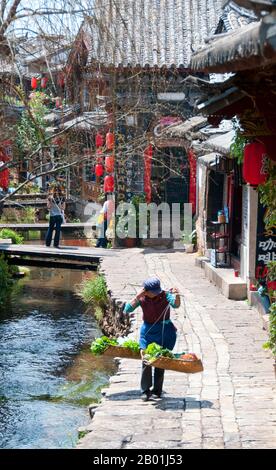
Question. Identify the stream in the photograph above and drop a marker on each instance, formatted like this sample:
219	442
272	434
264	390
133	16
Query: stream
48	376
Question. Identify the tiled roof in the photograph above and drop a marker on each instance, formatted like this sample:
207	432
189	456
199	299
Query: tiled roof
149	32
234	16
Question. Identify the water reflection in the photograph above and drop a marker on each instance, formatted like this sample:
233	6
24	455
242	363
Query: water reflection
47	375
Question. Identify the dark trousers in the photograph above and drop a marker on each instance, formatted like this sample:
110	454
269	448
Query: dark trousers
102	240
146	379
54	224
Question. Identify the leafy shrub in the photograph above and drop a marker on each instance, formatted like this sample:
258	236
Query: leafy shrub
271	275
15	237
26	215
271	343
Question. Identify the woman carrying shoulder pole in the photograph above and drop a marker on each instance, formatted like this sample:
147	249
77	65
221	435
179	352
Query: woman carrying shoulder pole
157	328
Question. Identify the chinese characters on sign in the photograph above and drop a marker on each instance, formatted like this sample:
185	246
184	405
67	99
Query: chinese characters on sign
266	245
267	251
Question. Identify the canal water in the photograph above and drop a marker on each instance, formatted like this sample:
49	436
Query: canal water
48	377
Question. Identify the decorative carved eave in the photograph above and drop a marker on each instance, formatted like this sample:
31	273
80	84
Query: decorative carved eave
250	47
256	5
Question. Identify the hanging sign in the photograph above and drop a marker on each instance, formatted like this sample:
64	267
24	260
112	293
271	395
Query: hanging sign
192	190
266	244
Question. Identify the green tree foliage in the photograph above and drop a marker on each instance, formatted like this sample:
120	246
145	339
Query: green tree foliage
267	192
31	129
271	343
237	147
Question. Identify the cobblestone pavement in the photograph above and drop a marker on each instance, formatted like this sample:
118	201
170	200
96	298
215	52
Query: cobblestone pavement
230	405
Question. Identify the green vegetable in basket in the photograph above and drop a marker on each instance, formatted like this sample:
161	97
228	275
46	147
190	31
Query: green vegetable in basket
101	344
154	350
132	345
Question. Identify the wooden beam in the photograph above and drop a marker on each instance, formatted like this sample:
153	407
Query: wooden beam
62	255
16	261
44	226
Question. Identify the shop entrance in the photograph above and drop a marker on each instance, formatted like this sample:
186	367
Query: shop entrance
235	206
170	176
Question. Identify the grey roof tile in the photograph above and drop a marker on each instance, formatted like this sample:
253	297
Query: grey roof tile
149	32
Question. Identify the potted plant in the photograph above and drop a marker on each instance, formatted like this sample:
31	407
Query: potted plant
190	247
130	242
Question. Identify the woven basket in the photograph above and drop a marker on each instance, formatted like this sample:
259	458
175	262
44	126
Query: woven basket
179	365
119	351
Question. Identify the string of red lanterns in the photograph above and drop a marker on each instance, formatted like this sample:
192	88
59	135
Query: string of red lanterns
109	164
105	143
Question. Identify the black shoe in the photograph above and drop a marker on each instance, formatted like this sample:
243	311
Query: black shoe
146	395
156	394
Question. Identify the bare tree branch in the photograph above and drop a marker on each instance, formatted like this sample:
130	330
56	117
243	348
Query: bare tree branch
10	18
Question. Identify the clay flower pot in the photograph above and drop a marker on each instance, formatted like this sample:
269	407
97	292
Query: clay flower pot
130	242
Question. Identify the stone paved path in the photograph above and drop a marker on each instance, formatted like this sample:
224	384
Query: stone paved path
230	405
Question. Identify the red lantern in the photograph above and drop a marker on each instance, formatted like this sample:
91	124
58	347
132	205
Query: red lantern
109	164
34	83
110	141
99	170
4	179
255	164
109	184
99	140
4	174
44	82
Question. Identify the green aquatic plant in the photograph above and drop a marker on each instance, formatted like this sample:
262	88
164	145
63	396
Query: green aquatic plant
98	313
94	291
5	282
82	434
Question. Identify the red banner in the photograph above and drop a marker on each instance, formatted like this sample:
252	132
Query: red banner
192	192
147	172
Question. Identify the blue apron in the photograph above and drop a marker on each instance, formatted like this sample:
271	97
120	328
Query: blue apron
162	333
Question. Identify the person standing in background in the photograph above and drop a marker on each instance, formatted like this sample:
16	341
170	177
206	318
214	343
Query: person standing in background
56	206
104	219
